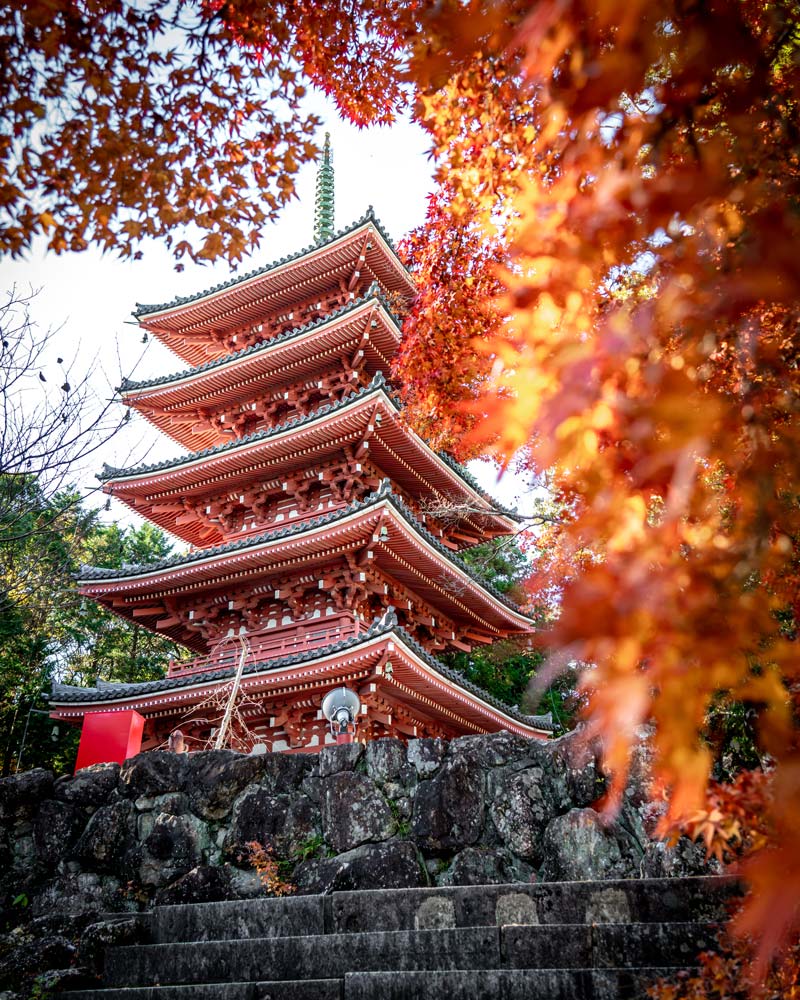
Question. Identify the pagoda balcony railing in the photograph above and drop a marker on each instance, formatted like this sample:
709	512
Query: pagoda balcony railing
273	643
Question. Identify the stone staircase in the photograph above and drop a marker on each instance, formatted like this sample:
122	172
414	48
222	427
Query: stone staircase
555	941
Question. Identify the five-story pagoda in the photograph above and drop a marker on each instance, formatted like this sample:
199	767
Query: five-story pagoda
303	498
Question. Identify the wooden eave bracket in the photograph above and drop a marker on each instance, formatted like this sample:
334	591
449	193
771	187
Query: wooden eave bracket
362	257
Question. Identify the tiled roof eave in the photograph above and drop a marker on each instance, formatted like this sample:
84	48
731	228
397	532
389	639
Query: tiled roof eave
110	474
90	575
372	296
295	423
152	312
384	627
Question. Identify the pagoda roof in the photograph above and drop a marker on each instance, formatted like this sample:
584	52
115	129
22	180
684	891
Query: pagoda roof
270	289
320	433
269	361
409	550
111	694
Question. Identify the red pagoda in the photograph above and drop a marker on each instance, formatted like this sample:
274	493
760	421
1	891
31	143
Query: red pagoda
304	499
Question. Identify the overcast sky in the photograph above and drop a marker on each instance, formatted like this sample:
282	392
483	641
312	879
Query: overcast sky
90	296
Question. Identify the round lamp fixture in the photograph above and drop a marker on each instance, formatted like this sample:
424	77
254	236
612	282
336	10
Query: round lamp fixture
340	707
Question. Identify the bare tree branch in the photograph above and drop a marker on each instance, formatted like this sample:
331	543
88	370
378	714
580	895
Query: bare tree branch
52	418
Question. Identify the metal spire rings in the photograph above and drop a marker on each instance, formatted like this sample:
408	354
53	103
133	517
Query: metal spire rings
323	202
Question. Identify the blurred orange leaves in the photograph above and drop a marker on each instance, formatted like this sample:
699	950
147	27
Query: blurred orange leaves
642	206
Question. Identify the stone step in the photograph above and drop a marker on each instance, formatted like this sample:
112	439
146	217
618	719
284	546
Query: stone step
308	989
666	900
504	984
605	946
616	901
544	946
308	957
253	918
472	984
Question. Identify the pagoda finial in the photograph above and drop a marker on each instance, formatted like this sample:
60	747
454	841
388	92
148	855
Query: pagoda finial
323	202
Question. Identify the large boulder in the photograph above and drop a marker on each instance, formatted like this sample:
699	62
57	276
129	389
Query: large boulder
283	773
386	761
91	786
20	793
203	884
577	846
101	935
484	866
81	893
215	778
391	865
109	836
522	804
496	749
154	773
21	964
426	756
576	758
281	822
449	807
683	858
342	757
56	827
354	811
177	842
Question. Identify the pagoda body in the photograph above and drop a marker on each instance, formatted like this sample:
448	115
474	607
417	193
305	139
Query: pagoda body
303	497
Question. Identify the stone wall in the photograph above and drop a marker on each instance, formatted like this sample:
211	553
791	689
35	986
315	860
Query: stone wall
167	828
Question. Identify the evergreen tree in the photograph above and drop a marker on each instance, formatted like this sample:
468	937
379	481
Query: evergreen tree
47	630
507	668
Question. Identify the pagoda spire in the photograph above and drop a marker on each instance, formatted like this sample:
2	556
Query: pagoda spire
323	202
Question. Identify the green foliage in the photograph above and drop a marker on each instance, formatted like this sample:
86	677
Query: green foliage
47	631
310	848
731	733
507	669
102	644
500	562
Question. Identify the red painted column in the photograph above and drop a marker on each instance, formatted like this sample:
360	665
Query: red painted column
109	738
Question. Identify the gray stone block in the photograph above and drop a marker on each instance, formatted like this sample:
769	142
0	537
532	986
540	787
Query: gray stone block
617	946
309	989
253	918
329	956
343	757
448	809
393	864
483	984
20	792
354	811
460	985
659	901
522	806
546	946
386	760
56	827
91	786
578	845
111	833
215	778
426	755
153	774
281	822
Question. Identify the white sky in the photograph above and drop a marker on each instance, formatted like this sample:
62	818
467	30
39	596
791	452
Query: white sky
91	295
